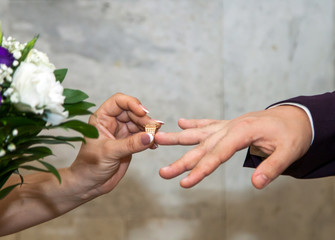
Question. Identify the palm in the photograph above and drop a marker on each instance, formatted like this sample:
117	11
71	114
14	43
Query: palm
113	168
117	119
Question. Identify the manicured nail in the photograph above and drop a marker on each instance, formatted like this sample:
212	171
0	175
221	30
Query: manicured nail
144	108
146	139
159	121
262	180
155	146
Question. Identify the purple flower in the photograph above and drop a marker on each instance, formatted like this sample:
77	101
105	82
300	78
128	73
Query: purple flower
6	57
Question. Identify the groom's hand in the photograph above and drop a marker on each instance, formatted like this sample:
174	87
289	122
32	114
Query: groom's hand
284	133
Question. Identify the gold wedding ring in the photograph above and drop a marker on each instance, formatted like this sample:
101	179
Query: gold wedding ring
151	128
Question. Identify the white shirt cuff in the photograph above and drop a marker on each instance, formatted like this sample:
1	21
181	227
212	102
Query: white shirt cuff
306	111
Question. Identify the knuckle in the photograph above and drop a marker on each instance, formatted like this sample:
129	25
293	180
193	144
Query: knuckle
185	164
118	94
213	162
106	149
200	150
131	145
92	119
274	168
246	122
206	171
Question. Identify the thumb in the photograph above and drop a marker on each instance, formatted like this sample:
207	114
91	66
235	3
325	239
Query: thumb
120	148
271	168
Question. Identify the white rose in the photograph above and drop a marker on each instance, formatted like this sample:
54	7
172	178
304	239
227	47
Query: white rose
39	59
36	90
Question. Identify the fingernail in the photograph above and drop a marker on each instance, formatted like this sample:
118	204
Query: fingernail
165	168
155	146
144	108
159	121
146	139
262	180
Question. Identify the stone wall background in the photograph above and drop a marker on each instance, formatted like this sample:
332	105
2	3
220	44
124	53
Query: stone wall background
191	59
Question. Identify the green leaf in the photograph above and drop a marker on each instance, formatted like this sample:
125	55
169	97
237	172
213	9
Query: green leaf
30	45
51	169
62	138
48	139
34	154
5	160
28	131
18	173
19	121
4	192
29	167
84	128
33	141
60	74
41	150
80	108
4	178
74	96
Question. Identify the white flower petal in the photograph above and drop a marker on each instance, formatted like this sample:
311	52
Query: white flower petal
36	90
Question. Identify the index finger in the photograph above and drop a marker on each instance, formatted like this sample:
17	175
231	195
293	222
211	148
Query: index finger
185	137
193	135
196	123
120	102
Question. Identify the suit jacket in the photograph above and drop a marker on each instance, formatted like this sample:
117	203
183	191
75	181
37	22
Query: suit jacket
319	160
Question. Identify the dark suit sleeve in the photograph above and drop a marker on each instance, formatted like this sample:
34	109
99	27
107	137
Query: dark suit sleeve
319	161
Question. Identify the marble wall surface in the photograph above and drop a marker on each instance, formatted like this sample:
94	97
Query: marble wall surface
191	59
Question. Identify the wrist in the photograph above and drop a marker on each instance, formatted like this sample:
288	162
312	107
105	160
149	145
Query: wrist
296	118
303	108
82	188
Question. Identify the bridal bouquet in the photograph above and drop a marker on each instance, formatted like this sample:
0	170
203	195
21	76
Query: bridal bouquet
32	99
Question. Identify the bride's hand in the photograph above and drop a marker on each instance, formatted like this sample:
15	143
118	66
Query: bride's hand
102	162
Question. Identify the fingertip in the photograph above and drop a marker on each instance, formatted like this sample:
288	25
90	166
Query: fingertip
147	138
163	172
186	182
154	146
271	168
144	109
181	121
260	180
163	169
159	121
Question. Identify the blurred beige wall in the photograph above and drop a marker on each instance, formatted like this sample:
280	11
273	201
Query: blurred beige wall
190	59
